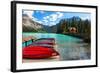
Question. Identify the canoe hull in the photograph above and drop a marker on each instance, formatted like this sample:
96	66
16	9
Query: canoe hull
38	52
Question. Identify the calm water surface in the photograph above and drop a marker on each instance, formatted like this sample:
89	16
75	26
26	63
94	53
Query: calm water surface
69	48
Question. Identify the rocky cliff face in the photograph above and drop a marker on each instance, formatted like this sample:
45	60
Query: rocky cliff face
29	25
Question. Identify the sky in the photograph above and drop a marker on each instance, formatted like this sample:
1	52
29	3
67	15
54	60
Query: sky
50	18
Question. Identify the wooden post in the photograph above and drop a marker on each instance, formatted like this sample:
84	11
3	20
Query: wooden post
32	40
25	43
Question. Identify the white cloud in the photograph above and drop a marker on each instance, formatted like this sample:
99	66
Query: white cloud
40	22
51	19
34	19
47	17
45	20
29	13
52	23
86	17
59	14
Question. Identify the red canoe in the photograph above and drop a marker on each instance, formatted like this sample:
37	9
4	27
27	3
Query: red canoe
38	52
50	43
45	41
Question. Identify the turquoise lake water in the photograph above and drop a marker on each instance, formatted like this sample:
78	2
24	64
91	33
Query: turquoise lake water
69	48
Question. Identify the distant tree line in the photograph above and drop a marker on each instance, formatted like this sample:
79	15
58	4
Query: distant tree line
83	27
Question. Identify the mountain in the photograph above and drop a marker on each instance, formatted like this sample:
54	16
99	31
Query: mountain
30	25
64	24
47	28
55	28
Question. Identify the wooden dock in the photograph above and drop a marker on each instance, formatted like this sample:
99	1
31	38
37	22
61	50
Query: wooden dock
24	39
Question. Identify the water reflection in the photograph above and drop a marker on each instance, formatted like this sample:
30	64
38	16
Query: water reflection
73	51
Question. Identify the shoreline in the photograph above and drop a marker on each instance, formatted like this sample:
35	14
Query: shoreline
85	37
